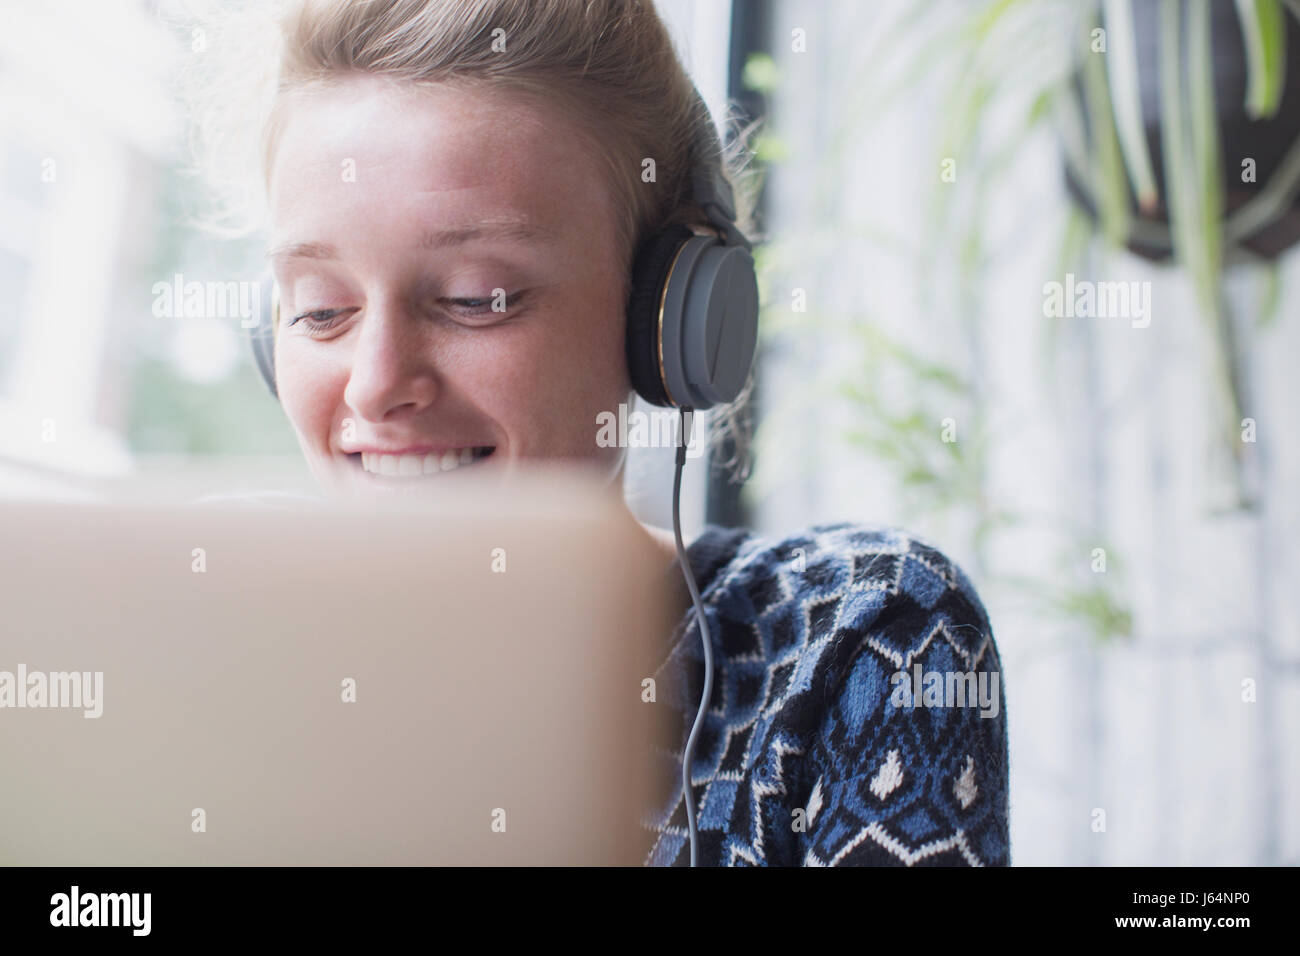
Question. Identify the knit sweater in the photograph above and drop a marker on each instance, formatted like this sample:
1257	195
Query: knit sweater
857	716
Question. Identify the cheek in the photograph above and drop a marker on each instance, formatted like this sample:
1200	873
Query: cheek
310	391
584	363
548	386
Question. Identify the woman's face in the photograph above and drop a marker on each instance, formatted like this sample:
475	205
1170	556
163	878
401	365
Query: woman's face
449	282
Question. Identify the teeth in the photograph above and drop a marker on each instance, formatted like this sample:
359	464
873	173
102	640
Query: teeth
409	466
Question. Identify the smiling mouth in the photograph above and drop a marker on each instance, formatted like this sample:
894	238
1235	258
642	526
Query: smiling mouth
399	467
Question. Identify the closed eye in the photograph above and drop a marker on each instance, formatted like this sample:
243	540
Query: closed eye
484	306
320	320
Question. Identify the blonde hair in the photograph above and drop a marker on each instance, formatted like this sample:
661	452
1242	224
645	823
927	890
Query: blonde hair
608	64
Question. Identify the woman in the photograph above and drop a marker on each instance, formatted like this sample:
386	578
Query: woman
457	190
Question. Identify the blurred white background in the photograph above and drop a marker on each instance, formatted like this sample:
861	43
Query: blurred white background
925	302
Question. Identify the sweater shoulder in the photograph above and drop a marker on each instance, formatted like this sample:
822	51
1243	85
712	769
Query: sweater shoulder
868	632
879	568
803	756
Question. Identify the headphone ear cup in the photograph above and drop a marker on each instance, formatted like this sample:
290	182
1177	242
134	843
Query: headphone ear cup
650	270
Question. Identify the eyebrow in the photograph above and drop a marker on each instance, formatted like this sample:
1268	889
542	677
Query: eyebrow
498	230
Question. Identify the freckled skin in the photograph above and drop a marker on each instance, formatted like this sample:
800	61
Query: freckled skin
368	166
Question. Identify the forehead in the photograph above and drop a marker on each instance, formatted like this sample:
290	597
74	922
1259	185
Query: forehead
368	146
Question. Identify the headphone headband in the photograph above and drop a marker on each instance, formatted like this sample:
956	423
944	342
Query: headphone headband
709	187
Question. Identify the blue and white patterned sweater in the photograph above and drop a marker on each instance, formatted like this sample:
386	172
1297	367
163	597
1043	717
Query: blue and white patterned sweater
813	751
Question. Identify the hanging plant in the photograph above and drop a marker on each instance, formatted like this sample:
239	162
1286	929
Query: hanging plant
1183	143
1179	84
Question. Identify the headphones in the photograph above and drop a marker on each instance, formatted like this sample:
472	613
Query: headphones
692	311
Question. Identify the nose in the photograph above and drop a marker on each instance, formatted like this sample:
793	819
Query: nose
393	372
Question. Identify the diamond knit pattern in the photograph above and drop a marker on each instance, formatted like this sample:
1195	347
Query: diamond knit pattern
808	756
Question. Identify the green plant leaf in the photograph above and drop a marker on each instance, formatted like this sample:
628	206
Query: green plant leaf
1122	67
761	73
1178	176
770	148
1270	295
1263	29
1204	122
1108	182
1106	617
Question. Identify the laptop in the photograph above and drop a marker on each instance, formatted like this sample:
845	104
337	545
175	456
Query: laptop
450	682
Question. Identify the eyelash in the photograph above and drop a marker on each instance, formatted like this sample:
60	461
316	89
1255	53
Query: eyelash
318	325
315	324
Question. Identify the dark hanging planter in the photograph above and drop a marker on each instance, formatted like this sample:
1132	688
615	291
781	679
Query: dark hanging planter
1182	141
1272	142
